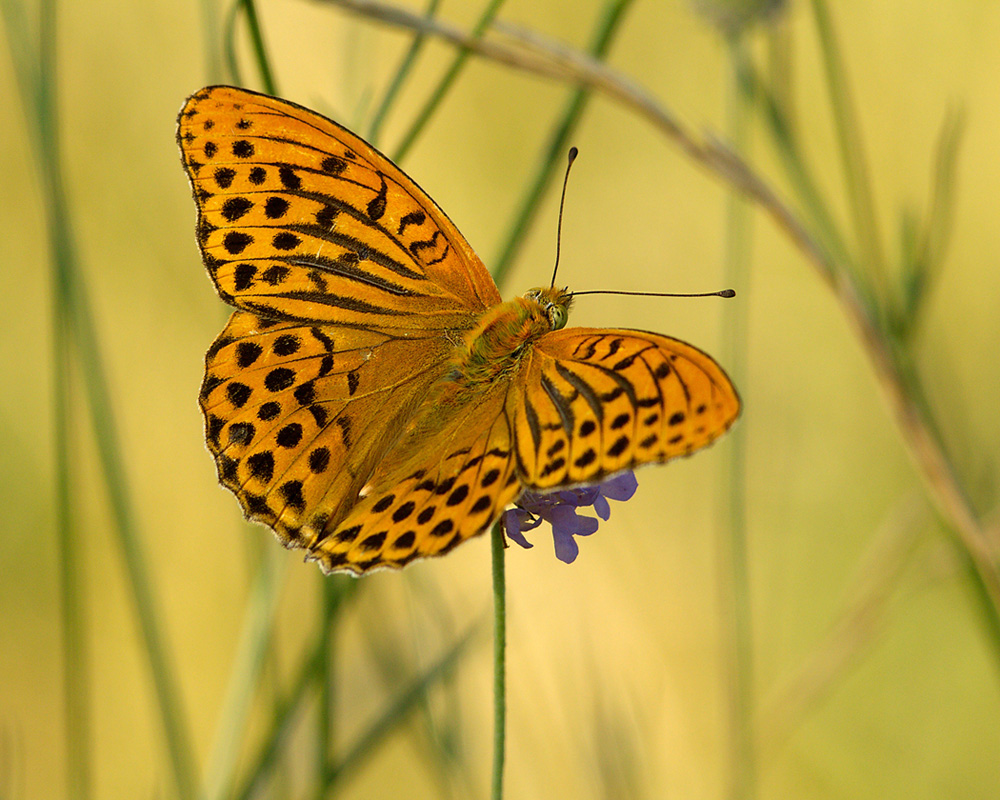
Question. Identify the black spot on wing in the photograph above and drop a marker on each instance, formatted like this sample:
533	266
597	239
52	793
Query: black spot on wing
376	206
238	393
345	430
413	218
439	259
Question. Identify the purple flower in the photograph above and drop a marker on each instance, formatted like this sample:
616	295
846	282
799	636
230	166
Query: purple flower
559	509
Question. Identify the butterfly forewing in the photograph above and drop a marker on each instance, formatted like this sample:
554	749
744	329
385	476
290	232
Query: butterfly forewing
300	218
592	402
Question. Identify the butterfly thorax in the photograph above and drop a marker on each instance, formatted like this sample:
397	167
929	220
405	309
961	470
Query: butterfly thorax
504	333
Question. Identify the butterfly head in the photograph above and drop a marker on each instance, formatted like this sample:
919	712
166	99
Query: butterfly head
553	302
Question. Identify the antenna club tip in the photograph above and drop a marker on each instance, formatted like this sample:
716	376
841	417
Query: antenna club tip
573	153
727	293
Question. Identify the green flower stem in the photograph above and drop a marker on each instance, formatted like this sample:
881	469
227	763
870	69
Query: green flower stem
499	663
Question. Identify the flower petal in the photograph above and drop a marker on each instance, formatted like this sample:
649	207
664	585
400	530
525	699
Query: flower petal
566	547
601	507
512	524
560	510
620	487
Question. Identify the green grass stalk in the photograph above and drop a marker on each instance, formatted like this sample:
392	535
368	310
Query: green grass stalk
855	167
77	711
254	641
399	78
397	710
73	310
734	576
817	213
446	82
558	144
331	591
208	13
286	711
259	49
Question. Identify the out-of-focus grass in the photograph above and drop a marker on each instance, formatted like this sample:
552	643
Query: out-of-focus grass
898	698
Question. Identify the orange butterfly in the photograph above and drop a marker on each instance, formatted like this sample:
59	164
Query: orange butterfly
372	399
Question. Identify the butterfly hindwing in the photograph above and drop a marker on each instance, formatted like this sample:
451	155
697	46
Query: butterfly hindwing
300	218
447	480
591	402
297	416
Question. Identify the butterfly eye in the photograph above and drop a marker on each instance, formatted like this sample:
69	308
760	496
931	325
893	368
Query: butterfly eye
557	316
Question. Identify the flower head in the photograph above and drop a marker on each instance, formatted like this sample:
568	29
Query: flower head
559	509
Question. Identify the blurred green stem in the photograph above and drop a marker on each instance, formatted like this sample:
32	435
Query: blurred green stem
37	89
256	635
864	304
499	660
168	695
210	28
76	660
889	552
445	83
734	577
73	601
259	49
905	397
779	121
557	146
37	85
331	591
852	154
405	66
283	718
396	711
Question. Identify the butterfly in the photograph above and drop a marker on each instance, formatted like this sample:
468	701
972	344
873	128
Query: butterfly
372	399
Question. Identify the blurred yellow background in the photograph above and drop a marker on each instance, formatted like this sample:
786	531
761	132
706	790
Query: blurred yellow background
618	664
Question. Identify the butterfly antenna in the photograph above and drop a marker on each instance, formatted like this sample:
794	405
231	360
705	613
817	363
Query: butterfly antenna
720	293
573	152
